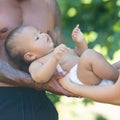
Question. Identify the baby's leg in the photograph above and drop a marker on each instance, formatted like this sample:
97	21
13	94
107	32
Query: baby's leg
93	67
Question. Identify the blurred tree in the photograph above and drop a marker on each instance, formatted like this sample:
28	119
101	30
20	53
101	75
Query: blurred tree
101	17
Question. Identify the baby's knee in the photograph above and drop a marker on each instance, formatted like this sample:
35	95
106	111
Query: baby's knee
87	54
85	57
90	55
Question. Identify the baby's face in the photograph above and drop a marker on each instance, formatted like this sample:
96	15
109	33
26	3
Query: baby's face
36	42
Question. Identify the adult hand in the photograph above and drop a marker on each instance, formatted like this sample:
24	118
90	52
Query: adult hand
54	86
15	77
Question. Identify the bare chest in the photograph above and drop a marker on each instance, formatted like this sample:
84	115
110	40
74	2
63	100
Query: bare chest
10	17
33	12
39	14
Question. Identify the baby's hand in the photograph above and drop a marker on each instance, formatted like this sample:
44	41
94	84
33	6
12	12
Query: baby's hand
60	50
77	35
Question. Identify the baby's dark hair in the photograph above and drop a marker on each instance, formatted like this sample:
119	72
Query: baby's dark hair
11	47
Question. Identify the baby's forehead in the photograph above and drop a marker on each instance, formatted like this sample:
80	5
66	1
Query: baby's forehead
31	29
28	31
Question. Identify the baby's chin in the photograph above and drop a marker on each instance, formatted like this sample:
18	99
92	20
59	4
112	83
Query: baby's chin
51	50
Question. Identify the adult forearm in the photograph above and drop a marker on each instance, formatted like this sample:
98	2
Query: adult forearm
103	94
10	75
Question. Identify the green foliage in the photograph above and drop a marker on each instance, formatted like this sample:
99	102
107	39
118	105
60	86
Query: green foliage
54	98
87	101
100	117
100	16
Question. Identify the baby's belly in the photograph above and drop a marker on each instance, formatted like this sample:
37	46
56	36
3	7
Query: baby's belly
68	61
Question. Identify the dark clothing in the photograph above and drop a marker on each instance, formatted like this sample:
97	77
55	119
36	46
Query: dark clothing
19	103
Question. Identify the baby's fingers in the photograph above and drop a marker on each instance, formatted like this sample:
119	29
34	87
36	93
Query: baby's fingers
60	50
64	48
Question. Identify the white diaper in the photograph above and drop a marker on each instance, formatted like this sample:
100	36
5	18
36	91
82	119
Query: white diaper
73	77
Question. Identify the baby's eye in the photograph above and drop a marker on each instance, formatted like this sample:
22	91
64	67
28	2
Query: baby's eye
37	38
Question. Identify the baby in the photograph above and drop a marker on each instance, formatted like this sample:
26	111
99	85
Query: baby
30	47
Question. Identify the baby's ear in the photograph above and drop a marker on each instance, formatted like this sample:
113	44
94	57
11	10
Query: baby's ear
29	56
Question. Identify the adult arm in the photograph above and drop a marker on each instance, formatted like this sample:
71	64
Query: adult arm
104	94
15	77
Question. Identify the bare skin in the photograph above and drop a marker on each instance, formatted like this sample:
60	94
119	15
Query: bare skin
14	13
38	48
104	94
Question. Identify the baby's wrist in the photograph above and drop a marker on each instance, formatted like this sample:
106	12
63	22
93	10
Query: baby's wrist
56	58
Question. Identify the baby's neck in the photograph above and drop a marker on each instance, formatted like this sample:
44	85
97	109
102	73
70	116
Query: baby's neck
49	53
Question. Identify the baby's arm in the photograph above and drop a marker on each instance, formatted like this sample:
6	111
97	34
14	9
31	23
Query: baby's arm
43	72
78	37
